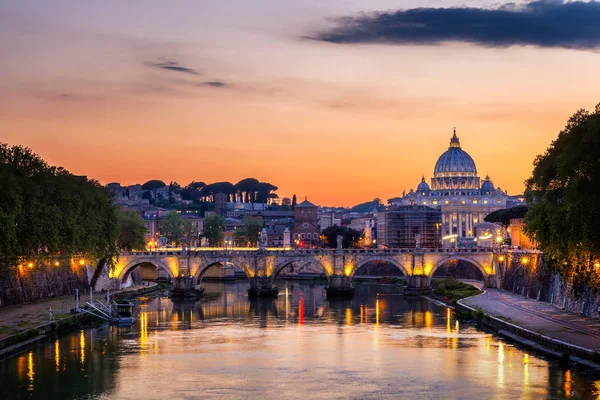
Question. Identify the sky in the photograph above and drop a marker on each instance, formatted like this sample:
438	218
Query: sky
341	101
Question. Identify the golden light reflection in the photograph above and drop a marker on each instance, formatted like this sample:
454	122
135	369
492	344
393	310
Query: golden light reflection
82	347
361	314
526	371
30	373
348	316
57	355
143	329
448	316
377	312
287	303
428	319
501	353
567	388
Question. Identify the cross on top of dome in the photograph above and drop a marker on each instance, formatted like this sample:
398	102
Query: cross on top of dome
454	142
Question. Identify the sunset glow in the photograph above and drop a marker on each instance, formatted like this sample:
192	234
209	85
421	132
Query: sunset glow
216	91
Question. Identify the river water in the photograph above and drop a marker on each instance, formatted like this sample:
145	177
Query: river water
378	345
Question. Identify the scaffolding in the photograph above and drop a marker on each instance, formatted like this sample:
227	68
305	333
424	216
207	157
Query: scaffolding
410	226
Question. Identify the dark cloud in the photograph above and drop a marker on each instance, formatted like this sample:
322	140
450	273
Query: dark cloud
216	84
172	66
545	23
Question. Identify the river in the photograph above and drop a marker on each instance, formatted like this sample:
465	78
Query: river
378	345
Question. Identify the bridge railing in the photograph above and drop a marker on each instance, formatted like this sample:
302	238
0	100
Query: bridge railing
289	252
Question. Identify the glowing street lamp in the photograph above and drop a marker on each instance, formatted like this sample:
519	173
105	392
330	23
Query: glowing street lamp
524	260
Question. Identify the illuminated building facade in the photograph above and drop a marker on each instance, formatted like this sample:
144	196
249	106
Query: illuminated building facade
463	198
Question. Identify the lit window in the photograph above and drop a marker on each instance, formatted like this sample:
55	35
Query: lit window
474	201
424	202
446	202
485	202
435	202
462	202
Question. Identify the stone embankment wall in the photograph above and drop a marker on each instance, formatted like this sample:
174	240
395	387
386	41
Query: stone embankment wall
24	285
535	282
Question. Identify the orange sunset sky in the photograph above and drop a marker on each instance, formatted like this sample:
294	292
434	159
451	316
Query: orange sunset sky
213	91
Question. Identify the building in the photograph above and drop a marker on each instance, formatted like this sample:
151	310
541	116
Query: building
411	226
306	225
517	236
457	190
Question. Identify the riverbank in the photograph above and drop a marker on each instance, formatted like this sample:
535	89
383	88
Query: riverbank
25	325
449	291
537	325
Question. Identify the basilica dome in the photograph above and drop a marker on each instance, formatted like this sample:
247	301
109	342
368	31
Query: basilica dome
455	160
487	187
423	186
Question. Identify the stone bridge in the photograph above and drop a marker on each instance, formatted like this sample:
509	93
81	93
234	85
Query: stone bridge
339	265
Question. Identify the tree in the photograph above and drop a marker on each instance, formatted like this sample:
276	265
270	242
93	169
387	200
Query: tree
213	230
251	231
132	232
153	186
286	201
563	194
189	231
294	201
367	206
45	211
504	216
350	237
171	227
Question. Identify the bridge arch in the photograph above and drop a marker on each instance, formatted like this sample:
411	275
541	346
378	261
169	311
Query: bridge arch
470	260
133	264
389	260
211	263
282	264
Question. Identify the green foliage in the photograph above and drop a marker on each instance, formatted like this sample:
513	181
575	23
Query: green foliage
178	230
350	237
250	233
170	227
368	206
153	185
564	193
213	229
451	290
504	216
45	210
132	233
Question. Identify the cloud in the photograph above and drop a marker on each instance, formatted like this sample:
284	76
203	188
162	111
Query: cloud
544	23
215	84
172	66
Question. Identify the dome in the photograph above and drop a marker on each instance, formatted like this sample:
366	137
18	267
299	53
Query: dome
423	186
487	186
455	160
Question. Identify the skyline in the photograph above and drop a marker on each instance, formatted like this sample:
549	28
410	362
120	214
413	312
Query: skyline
217	92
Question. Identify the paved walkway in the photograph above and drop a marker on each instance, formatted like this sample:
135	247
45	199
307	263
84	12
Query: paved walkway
22	317
539	317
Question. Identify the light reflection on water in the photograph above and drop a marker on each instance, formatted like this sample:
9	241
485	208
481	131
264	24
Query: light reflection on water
298	346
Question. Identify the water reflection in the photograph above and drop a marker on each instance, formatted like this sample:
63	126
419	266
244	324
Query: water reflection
378	344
